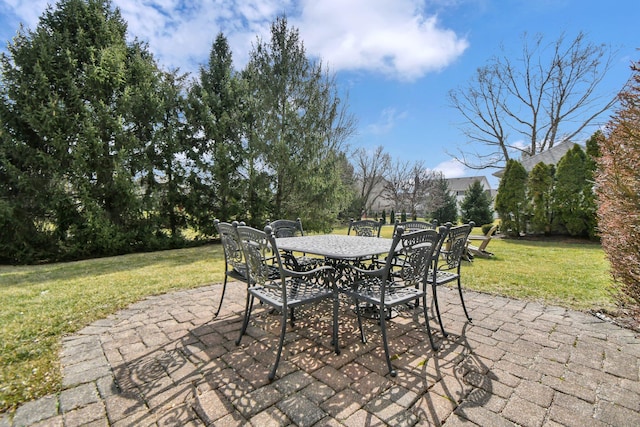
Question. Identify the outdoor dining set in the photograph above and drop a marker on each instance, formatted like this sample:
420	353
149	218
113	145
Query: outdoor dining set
284	268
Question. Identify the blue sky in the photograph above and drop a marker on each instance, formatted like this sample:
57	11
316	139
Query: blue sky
398	59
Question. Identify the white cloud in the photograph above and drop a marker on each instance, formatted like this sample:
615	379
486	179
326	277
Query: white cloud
387	121
451	169
392	37
27	11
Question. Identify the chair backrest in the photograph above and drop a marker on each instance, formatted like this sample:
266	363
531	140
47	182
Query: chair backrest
365	227
411	226
233	254
456	246
412	254
286	228
260	250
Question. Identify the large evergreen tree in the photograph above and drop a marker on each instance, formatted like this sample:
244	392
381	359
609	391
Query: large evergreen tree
298	127
573	207
441	204
71	146
216	104
476	205
540	194
511	201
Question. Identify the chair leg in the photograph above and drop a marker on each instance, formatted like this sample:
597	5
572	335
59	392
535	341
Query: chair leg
383	326
335	342
464	307
247	314
434	347
283	331
357	305
224	288
435	301
293	317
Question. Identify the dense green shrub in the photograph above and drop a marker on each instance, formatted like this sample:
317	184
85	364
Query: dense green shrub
511	201
476	205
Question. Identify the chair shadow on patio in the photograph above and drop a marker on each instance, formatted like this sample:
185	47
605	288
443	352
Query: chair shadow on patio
202	377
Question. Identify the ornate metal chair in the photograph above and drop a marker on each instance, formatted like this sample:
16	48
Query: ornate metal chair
447	262
290	228
386	289
234	265
411	226
289	290
365	227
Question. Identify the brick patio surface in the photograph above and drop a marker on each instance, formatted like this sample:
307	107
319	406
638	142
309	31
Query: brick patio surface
167	361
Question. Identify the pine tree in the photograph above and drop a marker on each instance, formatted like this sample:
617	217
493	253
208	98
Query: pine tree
511	202
476	205
300	124
218	154
441	203
572	194
73	146
540	193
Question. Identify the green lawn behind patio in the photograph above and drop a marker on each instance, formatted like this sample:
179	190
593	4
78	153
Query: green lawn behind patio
41	304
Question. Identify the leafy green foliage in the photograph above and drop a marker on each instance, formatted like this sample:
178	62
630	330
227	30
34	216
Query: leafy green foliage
476	205
81	115
511	202
298	126
540	194
217	153
442	204
573	201
103	153
618	190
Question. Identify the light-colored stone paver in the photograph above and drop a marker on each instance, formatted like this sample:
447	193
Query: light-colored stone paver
167	361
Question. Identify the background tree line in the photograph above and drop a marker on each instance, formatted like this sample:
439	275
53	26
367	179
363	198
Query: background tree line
103	152
412	191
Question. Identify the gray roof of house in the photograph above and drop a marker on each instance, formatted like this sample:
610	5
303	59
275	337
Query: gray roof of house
463	184
550	157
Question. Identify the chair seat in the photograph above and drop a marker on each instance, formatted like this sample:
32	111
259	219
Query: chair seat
298	293
443	277
371	292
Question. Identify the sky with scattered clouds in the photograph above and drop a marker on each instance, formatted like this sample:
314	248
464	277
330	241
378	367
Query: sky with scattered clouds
396	59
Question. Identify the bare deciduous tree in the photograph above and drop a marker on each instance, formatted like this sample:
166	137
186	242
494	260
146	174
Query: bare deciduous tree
370	171
407	185
545	96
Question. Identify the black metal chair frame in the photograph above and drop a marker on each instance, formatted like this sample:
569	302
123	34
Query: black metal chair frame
365	227
234	265
411	226
397	283
447	263
289	290
291	228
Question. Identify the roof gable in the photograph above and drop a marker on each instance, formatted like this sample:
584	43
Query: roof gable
463	183
550	157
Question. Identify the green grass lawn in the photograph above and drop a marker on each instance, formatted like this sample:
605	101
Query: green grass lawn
41	304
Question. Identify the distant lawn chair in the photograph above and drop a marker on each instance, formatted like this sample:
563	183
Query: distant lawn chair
481	249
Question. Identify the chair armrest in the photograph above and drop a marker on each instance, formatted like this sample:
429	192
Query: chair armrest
371	273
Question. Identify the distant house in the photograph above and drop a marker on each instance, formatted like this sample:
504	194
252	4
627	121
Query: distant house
550	157
459	187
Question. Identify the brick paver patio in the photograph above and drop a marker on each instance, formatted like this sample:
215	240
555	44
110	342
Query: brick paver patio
166	361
